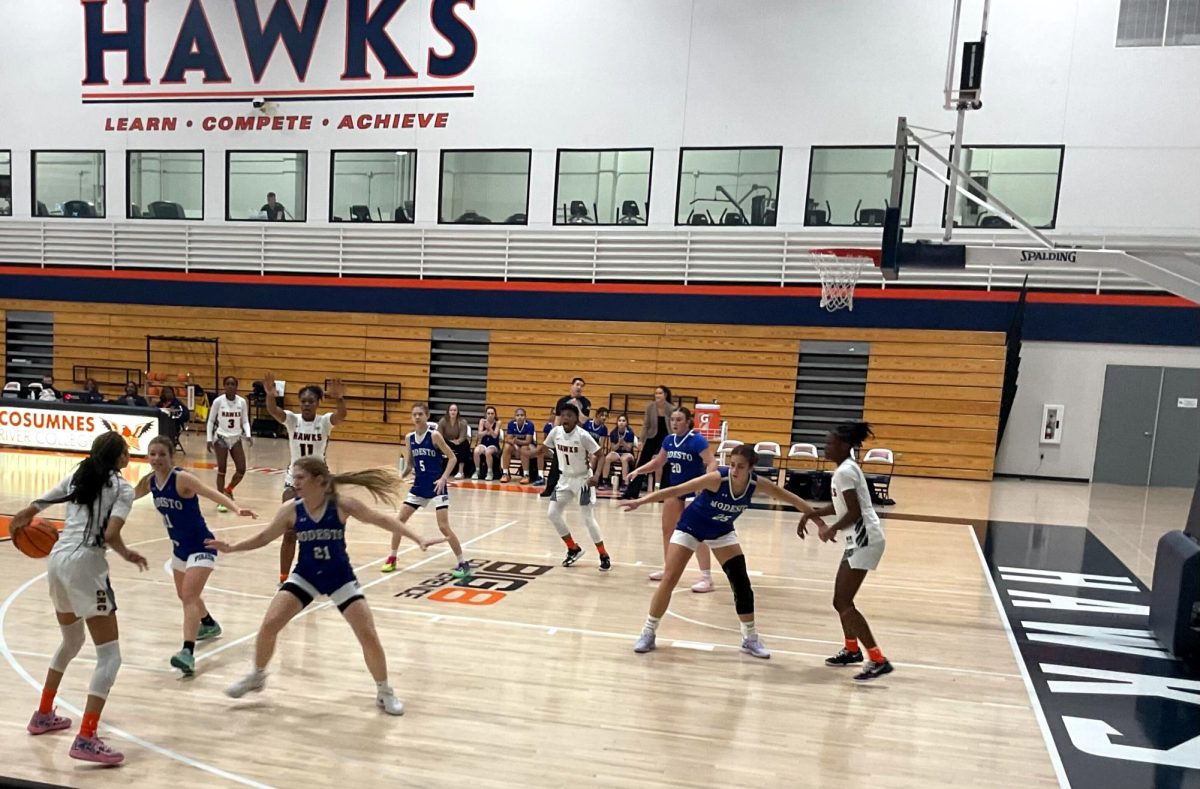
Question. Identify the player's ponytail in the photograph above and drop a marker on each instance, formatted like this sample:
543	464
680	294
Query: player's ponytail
94	471
854	433
382	483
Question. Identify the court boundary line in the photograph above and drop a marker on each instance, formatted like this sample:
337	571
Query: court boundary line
161	750
1038	712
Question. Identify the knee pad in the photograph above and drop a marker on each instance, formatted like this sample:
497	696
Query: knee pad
108	661
72	642
739	579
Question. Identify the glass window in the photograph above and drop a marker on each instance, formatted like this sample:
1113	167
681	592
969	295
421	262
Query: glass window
1183	23
728	186
68	184
851	186
1156	23
482	187
602	187
165	184
5	183
1024	179
268	186
373	186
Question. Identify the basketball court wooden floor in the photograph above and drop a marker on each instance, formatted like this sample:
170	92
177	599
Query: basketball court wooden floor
541	687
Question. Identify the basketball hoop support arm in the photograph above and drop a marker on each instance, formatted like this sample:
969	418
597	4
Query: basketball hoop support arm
966	97
958	185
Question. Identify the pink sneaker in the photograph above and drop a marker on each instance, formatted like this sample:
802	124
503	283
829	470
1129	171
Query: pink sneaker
703	585
656	575
43	723
94	749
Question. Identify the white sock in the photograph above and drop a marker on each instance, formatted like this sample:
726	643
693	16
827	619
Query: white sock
652	623
458	557
748	630
258	672
706	575
383	687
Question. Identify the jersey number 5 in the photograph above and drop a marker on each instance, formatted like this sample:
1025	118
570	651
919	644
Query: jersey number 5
321	552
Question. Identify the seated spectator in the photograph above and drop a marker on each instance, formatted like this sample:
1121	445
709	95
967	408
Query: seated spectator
175	409
457	432
91	392
599	430
622	443
518	440
275	212
487	451
131	397
48	392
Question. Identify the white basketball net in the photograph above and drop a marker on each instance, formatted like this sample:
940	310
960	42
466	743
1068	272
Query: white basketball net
838	275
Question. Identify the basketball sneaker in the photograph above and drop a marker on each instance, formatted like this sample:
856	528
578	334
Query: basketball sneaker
461	570
754	646
645	642
185	662
254	681
657	575
208	631
874	671
94	749
537	483
389	566
605	563
386	700
703	586
45	722
573	555
844	657
228	491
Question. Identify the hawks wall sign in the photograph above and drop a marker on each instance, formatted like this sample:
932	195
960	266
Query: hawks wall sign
73	428
212	51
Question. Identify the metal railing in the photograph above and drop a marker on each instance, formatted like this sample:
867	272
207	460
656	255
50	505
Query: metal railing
747	256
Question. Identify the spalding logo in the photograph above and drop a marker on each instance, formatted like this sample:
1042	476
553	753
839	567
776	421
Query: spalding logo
1041	256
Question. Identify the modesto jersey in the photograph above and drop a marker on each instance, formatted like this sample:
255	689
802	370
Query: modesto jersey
574	450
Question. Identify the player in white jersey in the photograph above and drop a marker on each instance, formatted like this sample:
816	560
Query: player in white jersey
308	436
98	501
578	454
228	423
855	517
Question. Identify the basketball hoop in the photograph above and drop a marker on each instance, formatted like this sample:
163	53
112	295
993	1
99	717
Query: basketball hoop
839	270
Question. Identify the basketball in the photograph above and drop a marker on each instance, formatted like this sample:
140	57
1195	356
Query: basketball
36	540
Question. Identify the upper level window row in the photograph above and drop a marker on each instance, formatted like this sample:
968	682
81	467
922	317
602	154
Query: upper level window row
727	187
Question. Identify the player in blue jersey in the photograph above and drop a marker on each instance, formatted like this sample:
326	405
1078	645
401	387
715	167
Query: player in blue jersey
487	451
598	427
721	496
430	461
519	441
176	494
686	455
318	517
622	442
